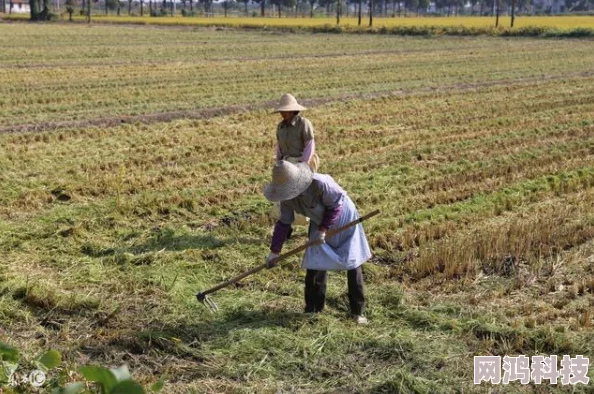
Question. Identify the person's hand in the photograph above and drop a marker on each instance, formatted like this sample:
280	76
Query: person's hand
270	263
319	237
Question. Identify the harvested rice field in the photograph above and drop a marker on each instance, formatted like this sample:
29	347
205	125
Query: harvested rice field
132	165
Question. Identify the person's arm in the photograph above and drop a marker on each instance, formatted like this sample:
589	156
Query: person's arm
330	217
308	152
279	156
279	236
307	137
281	228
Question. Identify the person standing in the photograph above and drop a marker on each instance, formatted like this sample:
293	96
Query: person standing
295	134
295	142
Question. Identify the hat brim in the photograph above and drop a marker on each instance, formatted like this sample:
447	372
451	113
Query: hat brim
288	108
289	191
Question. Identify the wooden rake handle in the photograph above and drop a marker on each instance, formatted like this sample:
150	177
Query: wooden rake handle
329	233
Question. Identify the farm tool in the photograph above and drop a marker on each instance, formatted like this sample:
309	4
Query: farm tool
212	306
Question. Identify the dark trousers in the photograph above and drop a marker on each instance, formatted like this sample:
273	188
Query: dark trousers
315	290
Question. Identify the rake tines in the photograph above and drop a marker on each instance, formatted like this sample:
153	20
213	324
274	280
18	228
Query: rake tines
208	302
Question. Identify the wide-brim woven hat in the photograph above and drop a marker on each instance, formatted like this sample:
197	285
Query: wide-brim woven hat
288	181
288	103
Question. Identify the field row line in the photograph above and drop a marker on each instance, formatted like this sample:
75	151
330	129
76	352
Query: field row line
136	61
207	113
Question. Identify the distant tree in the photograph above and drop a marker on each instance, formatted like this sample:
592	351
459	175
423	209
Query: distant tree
422	5
496	13
291	4
326	4
207	6
300	8
262	6
523	5
39	10
513	16
284	4
579	5
70	9
277	3
411	5
370	13
440	5
281	3
481	4
112	5
351	5
381	7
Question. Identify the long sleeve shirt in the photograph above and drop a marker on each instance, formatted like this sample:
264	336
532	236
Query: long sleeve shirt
308	152
321	202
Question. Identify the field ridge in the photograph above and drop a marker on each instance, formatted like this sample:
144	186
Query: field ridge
206	113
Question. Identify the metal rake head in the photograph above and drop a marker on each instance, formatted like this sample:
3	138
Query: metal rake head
208	302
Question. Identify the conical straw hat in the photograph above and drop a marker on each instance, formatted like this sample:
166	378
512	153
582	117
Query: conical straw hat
288	181
289	103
